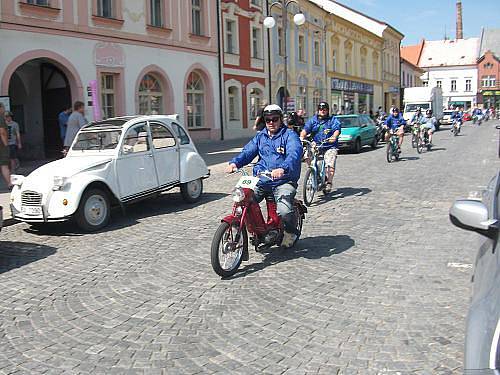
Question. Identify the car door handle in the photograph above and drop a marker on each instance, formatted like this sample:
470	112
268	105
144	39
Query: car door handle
150	155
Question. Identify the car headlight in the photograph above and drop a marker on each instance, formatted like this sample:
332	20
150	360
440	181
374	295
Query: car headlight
16	179
238	195
59	182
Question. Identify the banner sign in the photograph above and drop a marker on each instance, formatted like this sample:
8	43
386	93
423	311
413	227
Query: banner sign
345	85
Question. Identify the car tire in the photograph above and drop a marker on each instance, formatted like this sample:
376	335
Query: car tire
191	191
93	211
374	143
357	146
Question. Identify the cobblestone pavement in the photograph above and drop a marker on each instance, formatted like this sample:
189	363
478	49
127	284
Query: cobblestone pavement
378	284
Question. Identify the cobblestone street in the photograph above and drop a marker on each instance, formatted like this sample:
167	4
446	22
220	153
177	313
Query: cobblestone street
378	284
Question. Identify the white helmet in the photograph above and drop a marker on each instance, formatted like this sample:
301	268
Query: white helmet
273	109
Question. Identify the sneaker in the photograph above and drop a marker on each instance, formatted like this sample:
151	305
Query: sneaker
288	240
328	187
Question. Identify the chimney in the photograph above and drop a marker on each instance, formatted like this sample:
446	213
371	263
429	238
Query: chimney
460	28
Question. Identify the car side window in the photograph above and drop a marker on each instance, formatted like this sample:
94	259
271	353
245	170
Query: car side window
136	140
162	137
180	133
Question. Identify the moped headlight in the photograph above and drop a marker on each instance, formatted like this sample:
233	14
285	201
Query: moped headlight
16	179
238	195
59	182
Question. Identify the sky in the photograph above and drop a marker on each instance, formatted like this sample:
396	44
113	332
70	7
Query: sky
429	19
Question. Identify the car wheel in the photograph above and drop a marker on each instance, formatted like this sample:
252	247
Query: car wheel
93	211
374	142
357	146
191	191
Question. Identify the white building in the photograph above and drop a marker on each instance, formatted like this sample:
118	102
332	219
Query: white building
451	65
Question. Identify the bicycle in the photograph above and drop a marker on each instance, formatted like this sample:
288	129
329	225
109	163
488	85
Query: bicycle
423	140
393	151
415	134
315	178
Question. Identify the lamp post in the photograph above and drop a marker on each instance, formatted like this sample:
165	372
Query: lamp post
269	22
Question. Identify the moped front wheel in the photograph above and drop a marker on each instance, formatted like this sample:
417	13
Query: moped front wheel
389	152
420	145
227	250
414	141
308	189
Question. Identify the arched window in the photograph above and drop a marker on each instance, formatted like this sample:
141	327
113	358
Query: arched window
233	103
150	96
195	101
255	103
301	101
318	89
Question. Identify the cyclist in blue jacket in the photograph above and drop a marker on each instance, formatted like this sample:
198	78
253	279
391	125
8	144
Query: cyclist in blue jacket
396	123
325	128
280	151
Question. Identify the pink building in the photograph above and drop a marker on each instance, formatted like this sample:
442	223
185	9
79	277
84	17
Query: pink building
147	56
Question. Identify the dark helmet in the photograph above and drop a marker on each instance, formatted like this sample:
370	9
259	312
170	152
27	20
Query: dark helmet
323	105
428	112
272	109
395	110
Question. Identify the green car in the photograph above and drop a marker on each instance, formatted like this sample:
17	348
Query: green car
357	131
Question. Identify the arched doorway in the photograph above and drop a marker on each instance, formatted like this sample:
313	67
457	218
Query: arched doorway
280	98
39	90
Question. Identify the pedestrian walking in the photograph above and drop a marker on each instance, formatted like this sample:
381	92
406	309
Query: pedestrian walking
14	141
75	122
63	122
4	148
259	121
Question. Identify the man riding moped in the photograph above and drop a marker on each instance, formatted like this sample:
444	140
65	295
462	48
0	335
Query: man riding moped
280	151
428	125
396	123
325	130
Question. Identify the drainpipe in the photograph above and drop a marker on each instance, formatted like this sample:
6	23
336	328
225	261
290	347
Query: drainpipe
221	77
269	94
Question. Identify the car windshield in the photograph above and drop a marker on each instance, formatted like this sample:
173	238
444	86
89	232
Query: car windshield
447	113
413	107
99	140
348	122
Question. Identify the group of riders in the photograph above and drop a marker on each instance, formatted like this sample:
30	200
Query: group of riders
280	151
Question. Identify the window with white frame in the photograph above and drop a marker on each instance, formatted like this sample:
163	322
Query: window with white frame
453	85
334	60
302	48
281	45
484	81
468	85
44	3
316	98
196	17
108	95
231	37
233	103
156	12
492	81
195	93
316	53
105	8
257	3
348	63
425	83
301	102
363	67
256	43
256	96
150	96
439	83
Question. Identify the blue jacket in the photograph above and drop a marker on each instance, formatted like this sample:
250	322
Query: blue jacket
457	116
283	150
395	122
323	129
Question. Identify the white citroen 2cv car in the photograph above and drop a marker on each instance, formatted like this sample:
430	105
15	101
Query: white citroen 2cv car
111	163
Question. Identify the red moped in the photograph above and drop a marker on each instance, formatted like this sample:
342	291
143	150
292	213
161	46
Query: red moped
230	242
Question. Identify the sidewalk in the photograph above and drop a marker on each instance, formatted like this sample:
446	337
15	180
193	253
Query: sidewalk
216	155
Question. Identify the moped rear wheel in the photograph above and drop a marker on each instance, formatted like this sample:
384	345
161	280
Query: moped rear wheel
226	251
299	222
389	152
308	189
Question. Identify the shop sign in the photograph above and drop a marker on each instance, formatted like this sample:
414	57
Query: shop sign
491	93
346	85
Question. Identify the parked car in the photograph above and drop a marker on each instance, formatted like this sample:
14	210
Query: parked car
357	131
467	117
447	118
111	163
482	337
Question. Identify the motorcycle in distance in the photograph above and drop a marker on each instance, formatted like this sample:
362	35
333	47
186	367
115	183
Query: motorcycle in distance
455	128
393	151
315	178
423	139
380	128
246	223
477	119
415	134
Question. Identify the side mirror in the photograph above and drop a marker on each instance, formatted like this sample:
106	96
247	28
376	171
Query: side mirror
472	215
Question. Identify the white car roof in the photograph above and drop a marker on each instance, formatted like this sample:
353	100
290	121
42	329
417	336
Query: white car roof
125	122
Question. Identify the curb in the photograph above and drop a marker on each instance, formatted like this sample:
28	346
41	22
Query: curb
9	221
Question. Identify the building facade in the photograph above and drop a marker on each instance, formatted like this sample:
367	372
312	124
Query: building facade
244	68
452	65
120	57
488	66
391	67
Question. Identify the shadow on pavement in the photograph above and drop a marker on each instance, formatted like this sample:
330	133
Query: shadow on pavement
162	205
308	248
345	192
409	158
438	149
18	254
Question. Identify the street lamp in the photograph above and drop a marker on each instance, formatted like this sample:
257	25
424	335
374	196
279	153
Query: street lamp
269	22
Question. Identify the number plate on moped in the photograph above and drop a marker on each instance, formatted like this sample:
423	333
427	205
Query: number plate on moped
248	182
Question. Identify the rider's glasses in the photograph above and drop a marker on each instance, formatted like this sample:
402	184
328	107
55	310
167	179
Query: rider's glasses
322	108
271	119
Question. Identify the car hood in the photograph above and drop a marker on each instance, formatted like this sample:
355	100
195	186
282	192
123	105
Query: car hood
350	131
42	178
